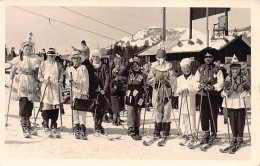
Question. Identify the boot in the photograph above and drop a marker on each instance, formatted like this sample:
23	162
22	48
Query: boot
233	141
205	138
45	125
212	137
53	124
157	130
100	129
240	141
130	131
166	129
137	135
77	131
83	132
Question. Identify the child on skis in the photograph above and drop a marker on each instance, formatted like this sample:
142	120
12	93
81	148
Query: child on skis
186	91
134	95
161	77
50	74
25	84
117	92
78	76
236	88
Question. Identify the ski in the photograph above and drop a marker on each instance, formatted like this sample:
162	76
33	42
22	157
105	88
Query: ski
225	150
205	147
237	147
106	136
163	141
150	142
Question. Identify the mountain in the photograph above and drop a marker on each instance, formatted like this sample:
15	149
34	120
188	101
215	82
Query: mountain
152	35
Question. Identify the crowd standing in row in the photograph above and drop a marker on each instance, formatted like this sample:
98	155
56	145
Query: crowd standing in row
37	80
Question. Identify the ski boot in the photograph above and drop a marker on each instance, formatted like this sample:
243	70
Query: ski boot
55	130
26	126
166	129
130	131
45	125
157	130
77	131
99	129
83	132
205	138
212	137
137	135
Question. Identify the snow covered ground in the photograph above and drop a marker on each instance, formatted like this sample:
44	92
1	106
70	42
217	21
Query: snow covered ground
17	147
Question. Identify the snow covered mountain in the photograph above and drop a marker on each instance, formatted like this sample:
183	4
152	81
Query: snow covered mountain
152	35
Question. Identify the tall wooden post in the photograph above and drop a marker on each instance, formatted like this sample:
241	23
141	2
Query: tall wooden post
191	15
164	24
207	25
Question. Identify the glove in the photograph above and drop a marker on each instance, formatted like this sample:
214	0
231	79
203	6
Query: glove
243	94
12	75
201	86
210	88
186	91
102	91
180	92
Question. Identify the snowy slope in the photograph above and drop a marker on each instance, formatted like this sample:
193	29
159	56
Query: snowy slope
40	147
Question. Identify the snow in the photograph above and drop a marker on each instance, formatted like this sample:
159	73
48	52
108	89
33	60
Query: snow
17	148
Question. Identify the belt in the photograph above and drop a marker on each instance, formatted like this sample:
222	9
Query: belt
24	73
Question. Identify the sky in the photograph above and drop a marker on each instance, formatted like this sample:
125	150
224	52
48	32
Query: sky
130	19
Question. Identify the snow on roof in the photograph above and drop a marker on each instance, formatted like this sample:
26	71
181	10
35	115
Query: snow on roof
172	47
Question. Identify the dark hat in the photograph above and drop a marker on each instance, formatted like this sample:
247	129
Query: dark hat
208	50
161	53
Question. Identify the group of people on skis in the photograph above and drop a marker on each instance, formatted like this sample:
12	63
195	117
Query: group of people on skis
90	78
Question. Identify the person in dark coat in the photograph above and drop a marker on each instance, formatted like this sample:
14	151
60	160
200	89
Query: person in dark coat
135	95
209	82
99	87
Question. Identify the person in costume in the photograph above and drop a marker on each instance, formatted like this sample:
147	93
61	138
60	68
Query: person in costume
135	94
100	87
50	74
117	91
78	76
236	88
26	88
209	80
161	77
186	91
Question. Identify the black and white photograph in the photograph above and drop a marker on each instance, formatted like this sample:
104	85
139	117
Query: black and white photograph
145	83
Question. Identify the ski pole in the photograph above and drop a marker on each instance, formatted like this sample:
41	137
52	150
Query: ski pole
7	114
171	109
71	103
227	118
247	118
211	112
95	114
41	103
61	125
180	114
145	109
199	113
188	113
154	109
